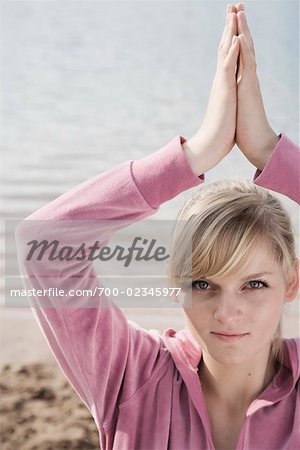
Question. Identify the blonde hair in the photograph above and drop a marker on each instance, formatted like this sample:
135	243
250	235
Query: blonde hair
220	224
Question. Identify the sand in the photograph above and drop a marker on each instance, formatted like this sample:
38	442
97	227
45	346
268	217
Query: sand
71	114
39	409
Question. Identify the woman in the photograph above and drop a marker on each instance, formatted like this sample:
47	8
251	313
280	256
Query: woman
227	381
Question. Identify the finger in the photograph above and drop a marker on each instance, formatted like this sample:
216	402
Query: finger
240	7
231	30
239	67
233	53
230	9
246	56
243	28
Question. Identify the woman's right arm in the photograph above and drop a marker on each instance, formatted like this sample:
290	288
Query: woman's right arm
90	337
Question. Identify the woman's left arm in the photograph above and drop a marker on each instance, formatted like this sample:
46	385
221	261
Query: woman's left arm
282	171
276	158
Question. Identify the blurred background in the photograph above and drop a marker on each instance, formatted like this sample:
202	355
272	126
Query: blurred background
86	85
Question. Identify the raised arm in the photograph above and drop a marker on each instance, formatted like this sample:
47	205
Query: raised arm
106	358
276	158
216	136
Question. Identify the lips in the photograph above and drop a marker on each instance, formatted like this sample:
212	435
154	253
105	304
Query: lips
231	336
231	333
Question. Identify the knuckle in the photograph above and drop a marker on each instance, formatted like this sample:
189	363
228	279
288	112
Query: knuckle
221	47
252	64
222	53
226	67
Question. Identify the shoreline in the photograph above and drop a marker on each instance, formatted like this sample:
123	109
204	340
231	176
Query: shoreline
22	340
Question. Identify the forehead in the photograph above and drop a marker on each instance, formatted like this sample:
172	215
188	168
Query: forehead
260	260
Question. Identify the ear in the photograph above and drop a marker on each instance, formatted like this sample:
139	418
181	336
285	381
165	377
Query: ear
293	287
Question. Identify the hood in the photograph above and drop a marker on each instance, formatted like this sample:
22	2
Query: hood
187	353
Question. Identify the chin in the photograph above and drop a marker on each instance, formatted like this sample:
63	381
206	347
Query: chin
228	355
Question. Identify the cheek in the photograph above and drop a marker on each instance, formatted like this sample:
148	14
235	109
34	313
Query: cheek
266	312
196	324
197	316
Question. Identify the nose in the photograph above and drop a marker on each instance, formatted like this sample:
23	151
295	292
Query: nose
227	309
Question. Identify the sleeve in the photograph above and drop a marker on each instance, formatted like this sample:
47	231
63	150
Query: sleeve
105	357
282	171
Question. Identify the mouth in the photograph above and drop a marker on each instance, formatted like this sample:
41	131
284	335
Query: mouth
229	337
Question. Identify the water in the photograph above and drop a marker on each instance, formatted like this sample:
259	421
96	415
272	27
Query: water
87	85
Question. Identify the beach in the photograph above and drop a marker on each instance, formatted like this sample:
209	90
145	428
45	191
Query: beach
87	86
39	409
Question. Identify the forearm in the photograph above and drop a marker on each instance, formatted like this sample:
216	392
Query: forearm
193	149
266	145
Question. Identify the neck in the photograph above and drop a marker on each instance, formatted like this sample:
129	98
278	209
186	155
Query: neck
236	386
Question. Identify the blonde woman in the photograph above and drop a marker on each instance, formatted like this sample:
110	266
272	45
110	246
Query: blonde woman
227	381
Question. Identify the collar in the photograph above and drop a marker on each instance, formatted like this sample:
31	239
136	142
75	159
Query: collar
187	353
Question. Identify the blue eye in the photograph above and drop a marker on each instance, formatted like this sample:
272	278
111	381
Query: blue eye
257	284
200	285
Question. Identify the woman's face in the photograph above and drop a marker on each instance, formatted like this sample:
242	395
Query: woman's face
236	317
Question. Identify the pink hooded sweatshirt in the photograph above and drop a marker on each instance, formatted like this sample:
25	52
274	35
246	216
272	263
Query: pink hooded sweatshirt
142	387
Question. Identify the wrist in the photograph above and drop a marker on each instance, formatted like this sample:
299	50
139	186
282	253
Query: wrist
269	145
192	150
201	152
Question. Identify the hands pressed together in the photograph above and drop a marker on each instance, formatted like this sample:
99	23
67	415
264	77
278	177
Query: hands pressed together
235	111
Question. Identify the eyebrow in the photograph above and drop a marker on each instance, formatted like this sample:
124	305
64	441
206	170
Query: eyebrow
248	277
256	275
